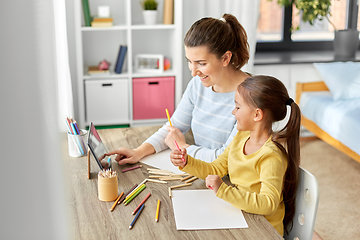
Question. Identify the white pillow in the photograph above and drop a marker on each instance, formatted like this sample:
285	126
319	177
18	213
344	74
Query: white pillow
342	78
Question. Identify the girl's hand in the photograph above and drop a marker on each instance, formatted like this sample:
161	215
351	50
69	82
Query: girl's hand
177	157
213	182
175	135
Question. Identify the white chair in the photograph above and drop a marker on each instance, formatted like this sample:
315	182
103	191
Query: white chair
307	200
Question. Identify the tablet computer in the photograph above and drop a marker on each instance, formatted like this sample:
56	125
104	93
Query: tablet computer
96	146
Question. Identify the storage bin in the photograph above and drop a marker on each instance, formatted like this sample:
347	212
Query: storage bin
107	101
151	96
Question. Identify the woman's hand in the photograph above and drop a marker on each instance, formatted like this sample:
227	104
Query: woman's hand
124	155
213	182
175	135
178	158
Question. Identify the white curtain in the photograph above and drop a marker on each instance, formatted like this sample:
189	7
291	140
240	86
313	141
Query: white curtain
246	11
65	96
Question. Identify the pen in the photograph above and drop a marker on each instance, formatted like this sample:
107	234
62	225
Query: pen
136	217
177	146
168	116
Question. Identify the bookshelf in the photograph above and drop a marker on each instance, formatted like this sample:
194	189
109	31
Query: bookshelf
108	99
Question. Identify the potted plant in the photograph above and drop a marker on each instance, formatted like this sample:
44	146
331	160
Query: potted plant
346	41
149	11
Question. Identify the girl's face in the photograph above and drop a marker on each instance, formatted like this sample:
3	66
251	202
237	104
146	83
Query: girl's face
244	114
204	64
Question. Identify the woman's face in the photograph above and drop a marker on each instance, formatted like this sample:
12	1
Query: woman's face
204	64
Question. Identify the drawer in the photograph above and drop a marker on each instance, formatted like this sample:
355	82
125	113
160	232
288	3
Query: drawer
107	101
151	96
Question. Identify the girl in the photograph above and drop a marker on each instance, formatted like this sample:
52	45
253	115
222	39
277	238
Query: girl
216	50
262	164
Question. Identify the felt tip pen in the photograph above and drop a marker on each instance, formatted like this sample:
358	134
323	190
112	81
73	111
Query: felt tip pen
177	146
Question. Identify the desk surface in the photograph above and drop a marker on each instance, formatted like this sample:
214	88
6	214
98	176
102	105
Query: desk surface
91	218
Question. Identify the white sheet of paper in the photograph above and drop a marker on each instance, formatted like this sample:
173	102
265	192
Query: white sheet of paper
201	209
162	161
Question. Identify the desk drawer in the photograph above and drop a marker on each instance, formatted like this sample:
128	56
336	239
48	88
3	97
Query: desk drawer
107	101
151	96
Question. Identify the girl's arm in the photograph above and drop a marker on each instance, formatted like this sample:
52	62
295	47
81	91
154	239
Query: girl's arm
264	202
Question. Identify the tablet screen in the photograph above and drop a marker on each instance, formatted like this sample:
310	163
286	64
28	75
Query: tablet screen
96	146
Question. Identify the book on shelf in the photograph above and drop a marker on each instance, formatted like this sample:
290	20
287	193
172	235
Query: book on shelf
101	24
87	15
120	59
94	70
102	19
168	12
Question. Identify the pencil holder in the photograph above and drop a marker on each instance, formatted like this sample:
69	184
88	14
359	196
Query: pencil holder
108	188
77	144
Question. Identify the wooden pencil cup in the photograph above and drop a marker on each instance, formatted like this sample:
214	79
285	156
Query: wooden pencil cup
108	188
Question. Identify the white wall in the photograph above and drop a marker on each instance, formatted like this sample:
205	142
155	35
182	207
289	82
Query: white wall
31	181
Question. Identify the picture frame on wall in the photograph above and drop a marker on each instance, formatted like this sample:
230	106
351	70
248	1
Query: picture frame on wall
149	63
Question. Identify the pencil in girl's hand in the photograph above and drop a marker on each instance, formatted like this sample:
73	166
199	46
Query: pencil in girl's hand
177	146
157	211
136	216
168	116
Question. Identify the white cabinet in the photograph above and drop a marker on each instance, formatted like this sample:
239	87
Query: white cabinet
107	101
94	44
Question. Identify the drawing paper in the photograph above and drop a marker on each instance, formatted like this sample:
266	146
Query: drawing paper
201	209
162	161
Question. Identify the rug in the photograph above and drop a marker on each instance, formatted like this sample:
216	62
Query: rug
338	175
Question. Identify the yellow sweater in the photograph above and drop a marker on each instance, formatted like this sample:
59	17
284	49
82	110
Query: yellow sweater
258	178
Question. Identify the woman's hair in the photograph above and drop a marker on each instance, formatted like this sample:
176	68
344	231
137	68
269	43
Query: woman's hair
220	36
270	95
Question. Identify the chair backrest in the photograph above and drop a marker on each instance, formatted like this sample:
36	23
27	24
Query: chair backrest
306	204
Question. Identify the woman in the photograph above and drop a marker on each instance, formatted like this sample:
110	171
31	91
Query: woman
216	50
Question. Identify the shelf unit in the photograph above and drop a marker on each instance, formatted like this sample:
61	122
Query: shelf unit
96	44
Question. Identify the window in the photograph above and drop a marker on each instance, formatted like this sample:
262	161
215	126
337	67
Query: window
274	34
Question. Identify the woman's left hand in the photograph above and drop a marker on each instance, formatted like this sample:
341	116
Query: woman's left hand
175	135
213	182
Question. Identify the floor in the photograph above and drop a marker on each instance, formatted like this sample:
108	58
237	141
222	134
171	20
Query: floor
316	236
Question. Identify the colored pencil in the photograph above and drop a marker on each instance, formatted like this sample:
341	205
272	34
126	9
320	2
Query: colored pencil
132	168
157	211
125	195
177	146
136	217
142	202
186	178
168	116
170	194
116	202
135	189
190	180
136	193
154	180
133	192
181	185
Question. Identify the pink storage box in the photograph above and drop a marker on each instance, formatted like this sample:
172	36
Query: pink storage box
151	96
